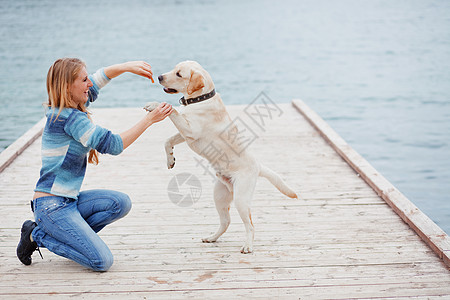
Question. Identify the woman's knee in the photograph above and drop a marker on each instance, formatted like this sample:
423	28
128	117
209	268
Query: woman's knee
123	203
103	262
116	202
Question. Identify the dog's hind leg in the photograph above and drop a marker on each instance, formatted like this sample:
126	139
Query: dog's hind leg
170	143
225	180
243	192
222	199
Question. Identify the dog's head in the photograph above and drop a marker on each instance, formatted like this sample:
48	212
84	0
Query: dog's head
189	78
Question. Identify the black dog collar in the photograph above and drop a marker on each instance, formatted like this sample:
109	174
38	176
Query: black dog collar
197	99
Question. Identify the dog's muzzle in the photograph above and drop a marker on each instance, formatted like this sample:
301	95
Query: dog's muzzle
166	89
170	91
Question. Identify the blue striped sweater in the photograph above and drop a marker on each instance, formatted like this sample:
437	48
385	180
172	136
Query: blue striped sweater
66	142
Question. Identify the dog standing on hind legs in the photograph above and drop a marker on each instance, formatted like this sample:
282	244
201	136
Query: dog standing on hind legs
204	124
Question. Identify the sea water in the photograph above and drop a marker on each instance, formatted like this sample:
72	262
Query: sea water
377	71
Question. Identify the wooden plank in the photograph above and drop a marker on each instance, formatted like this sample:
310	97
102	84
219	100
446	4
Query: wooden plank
308	289
8	155
432	234
324	272
341	240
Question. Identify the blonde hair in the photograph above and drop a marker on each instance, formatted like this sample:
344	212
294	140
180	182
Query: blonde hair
60	77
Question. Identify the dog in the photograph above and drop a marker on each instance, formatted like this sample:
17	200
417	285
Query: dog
206	127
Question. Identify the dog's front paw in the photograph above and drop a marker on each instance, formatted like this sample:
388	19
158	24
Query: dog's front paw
151	106
246	249
170	162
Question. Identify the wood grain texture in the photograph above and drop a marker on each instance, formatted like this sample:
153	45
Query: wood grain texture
432	234
339	241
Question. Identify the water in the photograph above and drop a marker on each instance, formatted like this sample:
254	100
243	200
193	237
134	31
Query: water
378	71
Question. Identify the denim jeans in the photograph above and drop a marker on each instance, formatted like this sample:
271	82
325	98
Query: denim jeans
68	227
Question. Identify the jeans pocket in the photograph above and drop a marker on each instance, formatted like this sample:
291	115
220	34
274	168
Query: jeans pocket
46	207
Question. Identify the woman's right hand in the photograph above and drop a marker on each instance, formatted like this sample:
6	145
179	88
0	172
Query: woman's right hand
140	68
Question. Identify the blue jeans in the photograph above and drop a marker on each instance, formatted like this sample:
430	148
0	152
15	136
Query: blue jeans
68	227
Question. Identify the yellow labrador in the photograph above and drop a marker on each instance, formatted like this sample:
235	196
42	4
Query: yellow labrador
206	127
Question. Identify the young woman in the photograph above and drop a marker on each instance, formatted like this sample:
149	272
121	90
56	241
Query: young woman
67	220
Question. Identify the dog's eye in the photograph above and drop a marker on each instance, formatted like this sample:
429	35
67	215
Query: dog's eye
178	74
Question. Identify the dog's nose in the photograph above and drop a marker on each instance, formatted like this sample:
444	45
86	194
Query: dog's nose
160	78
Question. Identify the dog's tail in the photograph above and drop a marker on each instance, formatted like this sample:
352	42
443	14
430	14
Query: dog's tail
276	180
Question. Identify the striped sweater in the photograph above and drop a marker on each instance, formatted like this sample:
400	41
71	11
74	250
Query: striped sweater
66	142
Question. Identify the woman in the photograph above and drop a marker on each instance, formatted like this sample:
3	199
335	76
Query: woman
67	220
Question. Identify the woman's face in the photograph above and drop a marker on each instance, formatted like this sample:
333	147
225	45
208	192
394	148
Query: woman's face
80	87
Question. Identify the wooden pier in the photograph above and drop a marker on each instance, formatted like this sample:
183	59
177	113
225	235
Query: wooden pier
352	235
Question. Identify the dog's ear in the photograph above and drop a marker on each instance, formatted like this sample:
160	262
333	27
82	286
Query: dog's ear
195	83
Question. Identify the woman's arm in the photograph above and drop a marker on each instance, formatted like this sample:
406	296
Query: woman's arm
159	114
103	76
140	68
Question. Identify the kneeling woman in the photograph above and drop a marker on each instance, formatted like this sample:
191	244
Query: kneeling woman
67	220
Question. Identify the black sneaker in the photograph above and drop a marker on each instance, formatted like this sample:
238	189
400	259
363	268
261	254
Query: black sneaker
26	247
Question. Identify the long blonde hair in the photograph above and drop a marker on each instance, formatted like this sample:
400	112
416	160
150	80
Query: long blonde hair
60	77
